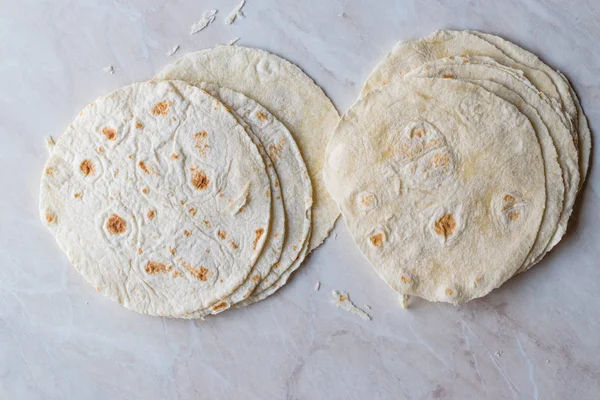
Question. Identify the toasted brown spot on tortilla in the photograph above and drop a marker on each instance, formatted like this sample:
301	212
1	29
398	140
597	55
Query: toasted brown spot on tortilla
220	306
295	247
155	267
255	278
445	225
259	232
449	76
109	133
405	279
49	218
419	131
377	239
145	190
514	215
162	108
130	156
100	149
234	245
221	234
449	292
201	135
139	250
200	180
201	273
172	251
207	224
116	225
192	211
144	167
181	202
87	168
139	124
77	195
275	151
50	171
187	233
276	265
508	198
177	274
440	159
262	116
151	214
342	298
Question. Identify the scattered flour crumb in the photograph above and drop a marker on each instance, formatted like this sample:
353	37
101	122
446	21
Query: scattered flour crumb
110	69
207	18
343	15
403	300
335	235
50	144
87	302
368	307
547	361
342	300
233	41
236	13
173	50
498	353
317	285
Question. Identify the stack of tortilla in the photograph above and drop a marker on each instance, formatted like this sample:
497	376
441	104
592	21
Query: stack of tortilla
197	191
459	165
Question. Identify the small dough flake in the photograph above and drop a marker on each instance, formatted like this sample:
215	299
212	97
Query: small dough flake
236	13
173	51
317	285
233	41
207	18
50	144
403	300
110	69
342	300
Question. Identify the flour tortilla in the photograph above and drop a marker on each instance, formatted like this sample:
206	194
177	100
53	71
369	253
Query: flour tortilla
561	168
407	55
283	158
566	91
274	245
441	184
159	198
288	93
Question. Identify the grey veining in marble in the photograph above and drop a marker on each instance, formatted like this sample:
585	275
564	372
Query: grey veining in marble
538	337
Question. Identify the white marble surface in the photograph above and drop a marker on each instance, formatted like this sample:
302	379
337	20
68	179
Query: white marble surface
538	337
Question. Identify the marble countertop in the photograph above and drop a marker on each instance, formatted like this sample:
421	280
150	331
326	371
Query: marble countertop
537	337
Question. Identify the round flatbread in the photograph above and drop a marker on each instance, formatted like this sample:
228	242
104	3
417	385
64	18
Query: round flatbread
159	198
567	94
293	189
288	93
480	69
441	184
560	161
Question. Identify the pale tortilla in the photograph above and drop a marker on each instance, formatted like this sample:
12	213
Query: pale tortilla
560	162
566	91
159	198
288	93
441	184
284	159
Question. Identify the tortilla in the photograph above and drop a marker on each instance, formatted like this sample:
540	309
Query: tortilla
441	184
566	91
284	159
159	198
560	162
288	93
